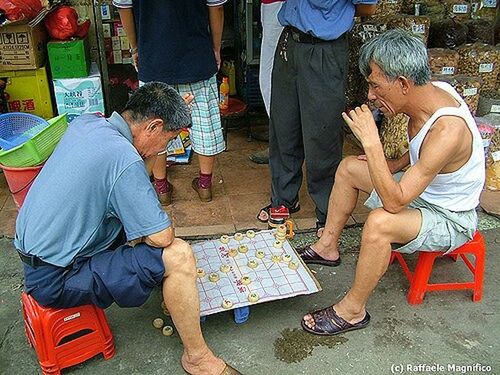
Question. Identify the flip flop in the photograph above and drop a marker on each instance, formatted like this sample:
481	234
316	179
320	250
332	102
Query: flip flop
263	215
309	256
329	323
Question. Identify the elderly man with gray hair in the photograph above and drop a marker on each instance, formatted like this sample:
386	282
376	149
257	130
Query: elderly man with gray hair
429	207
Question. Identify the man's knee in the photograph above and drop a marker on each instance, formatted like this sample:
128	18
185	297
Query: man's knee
179	257
347	168
377	226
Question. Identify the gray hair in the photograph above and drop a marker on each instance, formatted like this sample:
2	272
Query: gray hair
159	100
397	53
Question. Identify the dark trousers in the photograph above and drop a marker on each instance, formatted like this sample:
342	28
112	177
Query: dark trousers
307	99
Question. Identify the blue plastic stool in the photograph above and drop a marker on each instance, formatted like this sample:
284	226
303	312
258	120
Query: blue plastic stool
241	315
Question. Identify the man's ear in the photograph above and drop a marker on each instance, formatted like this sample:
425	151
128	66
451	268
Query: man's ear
405	84
155	126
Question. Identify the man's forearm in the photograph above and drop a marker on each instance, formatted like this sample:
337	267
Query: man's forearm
216	19
128	22
386	187
396	165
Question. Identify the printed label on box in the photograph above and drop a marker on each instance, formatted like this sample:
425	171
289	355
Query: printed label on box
106	30
117	57
490	3
460	8
470	91
117	43
495	108
485	68
76	96
25	105
125	46
495	156
418	29
105	12
448	70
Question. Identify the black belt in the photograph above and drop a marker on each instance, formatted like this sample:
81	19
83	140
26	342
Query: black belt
33	260
302	37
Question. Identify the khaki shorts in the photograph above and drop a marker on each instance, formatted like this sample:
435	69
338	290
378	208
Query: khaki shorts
441	230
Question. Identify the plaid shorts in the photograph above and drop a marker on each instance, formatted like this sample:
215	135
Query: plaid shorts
206	131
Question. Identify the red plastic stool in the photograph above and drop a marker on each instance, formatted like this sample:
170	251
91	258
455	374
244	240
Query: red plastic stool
419	280
66	337
236	109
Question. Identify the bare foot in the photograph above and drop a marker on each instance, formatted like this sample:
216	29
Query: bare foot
326	253
205	364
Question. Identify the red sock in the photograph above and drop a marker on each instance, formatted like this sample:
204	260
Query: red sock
205	180
161	185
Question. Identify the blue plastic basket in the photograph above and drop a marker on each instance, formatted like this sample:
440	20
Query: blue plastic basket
16	128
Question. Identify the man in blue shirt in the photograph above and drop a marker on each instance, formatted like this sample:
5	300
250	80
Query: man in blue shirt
91	196
178	42
307	99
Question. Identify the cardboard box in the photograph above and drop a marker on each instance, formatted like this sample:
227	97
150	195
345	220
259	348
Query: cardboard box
69	59
28	91
124	44
76	96
22	47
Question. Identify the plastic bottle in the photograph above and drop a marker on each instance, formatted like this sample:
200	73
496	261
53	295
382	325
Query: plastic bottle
224	94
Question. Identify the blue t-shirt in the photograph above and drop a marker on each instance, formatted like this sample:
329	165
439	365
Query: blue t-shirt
174	41
324	19
94	185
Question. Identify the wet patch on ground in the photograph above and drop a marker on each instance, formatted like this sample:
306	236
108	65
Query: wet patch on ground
295	344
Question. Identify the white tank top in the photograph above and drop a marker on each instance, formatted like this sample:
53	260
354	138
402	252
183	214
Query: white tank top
459	190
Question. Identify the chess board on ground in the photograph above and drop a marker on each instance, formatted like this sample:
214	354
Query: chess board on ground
228	280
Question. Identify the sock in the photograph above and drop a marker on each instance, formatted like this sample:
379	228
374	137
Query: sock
161	185
205	181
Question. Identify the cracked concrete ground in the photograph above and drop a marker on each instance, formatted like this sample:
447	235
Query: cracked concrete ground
448	329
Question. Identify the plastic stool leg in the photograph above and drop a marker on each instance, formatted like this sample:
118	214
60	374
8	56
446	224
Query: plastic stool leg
241	314
418	284
478	277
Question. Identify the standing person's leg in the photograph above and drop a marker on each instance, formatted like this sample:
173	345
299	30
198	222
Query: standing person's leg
321	85
271	30
162	186
286	153
206	132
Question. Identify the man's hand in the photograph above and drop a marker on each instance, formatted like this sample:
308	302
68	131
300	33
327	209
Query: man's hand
217	58
362	124
135	60
188	99
393	164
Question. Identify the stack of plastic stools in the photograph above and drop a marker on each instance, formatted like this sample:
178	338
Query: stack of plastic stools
419	279
66	337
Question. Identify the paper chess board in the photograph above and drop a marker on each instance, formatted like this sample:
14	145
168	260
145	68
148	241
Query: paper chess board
270	280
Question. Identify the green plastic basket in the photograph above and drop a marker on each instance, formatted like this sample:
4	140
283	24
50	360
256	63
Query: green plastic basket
37	149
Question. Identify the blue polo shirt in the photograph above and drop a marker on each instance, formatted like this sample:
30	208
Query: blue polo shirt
324	19
174	41
94	185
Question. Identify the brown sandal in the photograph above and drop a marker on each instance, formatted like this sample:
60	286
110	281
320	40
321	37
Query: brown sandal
328	323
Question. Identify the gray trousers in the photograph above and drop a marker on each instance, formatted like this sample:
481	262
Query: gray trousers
307	99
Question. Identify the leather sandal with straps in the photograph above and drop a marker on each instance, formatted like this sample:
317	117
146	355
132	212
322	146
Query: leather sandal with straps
328	323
